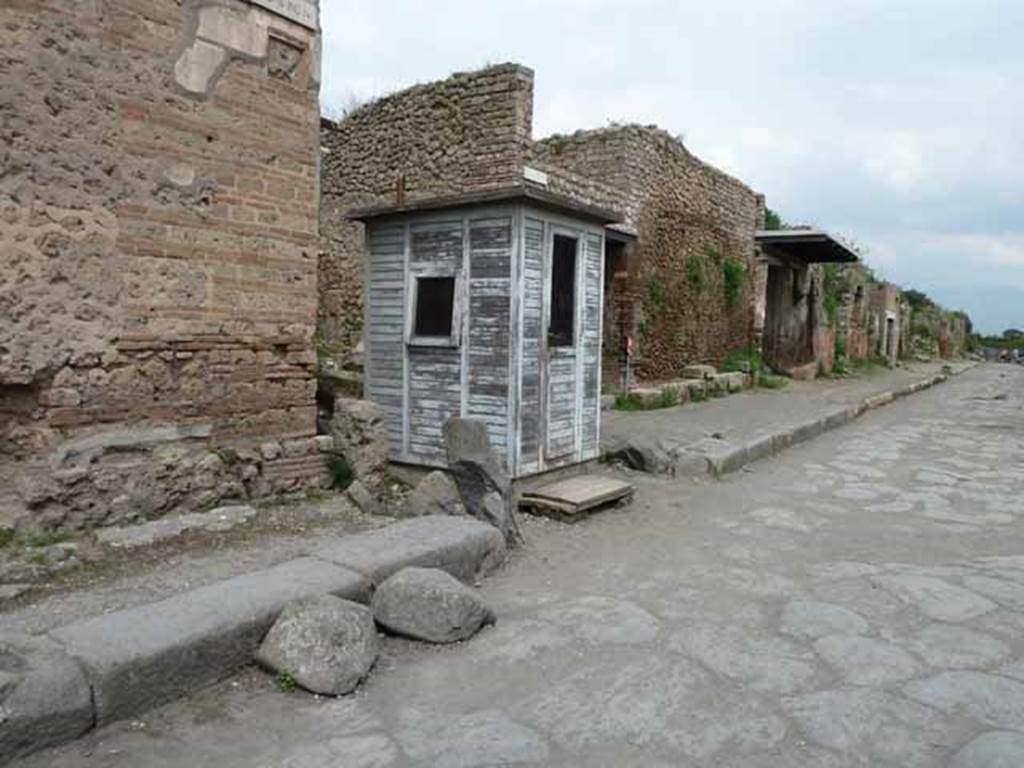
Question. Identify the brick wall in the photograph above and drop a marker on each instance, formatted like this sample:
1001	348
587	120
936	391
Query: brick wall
692	220
158	290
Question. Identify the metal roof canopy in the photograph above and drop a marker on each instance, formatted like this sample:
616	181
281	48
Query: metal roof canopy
807	246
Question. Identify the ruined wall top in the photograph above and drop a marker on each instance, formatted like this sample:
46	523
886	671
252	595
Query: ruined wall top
637	160
468	132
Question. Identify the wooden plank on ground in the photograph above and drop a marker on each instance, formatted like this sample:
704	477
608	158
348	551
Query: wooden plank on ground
570	498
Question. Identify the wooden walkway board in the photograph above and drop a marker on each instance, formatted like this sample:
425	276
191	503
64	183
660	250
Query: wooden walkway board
575	495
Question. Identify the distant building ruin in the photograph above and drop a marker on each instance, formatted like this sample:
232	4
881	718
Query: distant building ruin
685	291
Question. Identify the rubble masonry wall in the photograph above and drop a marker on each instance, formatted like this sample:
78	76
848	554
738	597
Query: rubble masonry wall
692	220
159	229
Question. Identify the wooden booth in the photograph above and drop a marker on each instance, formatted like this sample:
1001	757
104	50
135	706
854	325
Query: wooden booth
487	306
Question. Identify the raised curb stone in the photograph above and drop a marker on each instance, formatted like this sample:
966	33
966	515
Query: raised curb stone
144	656
44	696
464	547
429	604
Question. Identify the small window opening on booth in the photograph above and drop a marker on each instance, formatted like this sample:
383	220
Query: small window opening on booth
561	328
435	304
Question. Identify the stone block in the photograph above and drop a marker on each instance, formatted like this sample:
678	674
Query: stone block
735	381
697	388
761	447
44	696
197	65
141	657
839	417
270	450
429	604
699	372
877	401
232	29
326	644
464	547
806	431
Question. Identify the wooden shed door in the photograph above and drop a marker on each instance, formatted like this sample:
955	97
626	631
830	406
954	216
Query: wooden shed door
560	369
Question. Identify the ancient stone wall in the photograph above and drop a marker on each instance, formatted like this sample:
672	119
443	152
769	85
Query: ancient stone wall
470	132
158	286
799	338
689	296
852	312
884	321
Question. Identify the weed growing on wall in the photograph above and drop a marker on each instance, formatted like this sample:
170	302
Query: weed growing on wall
743	360
733	275
656	292
668	398
341	473
832	287
695	272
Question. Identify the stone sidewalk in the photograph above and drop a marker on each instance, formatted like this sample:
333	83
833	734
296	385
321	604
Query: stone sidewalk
723	435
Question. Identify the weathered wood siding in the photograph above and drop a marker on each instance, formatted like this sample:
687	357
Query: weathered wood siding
541	406
590	343
490	327
385	324
562	406
531	402
434	373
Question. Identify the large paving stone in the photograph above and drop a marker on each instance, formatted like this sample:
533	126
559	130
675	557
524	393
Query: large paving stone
934	597
952	647
651	703
996	749
517	640
763	663
871	727
44	696
141	657
429	604
361	750
488	737
866	661
597	619
1004	592
463	547
326	644
807	619
991	699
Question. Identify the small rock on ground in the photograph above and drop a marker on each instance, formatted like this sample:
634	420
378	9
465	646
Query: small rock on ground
429	604
436	494
364	501
325	644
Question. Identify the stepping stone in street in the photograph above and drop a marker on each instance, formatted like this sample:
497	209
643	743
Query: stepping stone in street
429	604
325	644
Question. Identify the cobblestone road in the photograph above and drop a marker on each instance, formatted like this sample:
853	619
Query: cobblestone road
856	601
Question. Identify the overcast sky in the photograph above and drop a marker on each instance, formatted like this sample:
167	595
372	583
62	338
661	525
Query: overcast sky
899	125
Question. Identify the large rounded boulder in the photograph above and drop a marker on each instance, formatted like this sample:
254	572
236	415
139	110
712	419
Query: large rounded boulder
325	644
429	604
